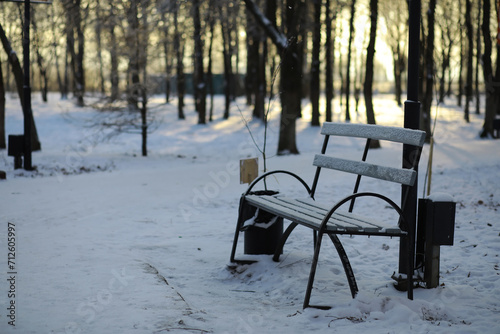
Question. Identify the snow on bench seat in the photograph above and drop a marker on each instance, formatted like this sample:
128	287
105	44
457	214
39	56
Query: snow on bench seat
309	213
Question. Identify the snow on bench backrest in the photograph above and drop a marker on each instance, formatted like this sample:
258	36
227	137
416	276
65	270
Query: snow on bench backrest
398	175
399	135
377	132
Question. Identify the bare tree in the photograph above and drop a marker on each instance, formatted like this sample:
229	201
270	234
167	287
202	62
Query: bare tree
75	16
98	33
429	69
348	70
40	60
460	92
329	62
396	18
200	87
226	55
18	76
287	45
138	31
54	23
315	63
211	23
478	57
164	8
370	54
470	58
179	49
491	79
112	23
449	31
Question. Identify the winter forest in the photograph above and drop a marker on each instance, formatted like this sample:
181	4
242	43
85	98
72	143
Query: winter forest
126	51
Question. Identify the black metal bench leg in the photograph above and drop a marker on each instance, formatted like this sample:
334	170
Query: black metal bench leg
312	273
239	223
347	265
411	259
284	238
235	242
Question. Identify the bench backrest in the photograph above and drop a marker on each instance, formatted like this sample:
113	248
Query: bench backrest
404	176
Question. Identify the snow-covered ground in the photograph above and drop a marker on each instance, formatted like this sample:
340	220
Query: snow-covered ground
107	241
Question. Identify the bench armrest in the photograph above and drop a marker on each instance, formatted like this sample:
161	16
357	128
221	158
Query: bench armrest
402	222
276	172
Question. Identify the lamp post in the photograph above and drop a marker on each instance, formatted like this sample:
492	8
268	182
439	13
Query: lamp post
27	112
412	121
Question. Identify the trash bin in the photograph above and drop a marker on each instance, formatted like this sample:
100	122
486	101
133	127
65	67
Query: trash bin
436	227
439	215
262	229
16	149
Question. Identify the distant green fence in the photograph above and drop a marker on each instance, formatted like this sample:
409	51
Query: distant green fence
158	84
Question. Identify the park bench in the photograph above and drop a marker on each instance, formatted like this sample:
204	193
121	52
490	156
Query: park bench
328	219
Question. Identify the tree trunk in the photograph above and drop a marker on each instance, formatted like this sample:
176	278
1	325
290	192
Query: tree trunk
260	87
255	67
460	92
113	53
199	82
132	42
398	73
66	82
56	54
341	74
315	64
271	8
98	33
251	61
165	42
210	79
44	80
228	70
233	46
290	69
74	26
79	70
370	55
348	70
115	93
443	75
329	64
491	80
180	65
18	76
429	70
470	58
478	57
142	45
291	79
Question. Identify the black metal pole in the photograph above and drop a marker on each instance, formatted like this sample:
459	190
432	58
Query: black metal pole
26	88
412	121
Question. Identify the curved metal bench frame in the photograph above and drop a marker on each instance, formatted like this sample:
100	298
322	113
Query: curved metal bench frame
240	222
404	136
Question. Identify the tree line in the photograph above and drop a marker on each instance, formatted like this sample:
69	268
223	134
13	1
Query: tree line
291	49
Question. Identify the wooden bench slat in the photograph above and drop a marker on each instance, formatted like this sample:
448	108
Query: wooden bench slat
349	221
352	220
312	214
351	217
342	222
398	175
395	134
